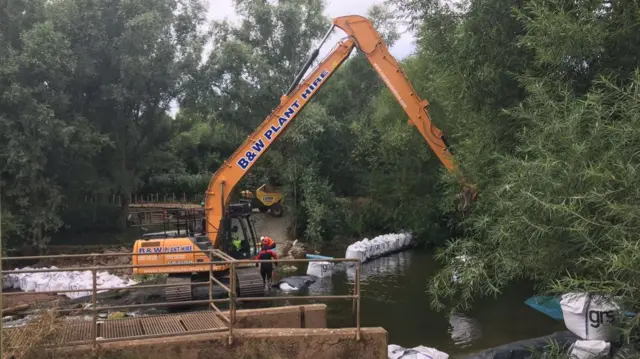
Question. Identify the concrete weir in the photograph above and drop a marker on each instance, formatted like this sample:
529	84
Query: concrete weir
280	332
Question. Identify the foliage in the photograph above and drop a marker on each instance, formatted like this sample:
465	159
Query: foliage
83	90
542	100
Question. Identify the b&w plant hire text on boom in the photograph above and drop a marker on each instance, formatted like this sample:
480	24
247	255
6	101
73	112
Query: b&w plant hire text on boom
270	134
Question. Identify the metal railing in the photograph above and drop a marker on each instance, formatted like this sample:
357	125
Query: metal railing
221	258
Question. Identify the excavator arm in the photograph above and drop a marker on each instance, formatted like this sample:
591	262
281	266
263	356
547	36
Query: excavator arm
362	35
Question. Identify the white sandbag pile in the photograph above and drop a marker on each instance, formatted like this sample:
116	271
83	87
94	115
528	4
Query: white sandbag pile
320	269
419	352
379	246
55	281
590	316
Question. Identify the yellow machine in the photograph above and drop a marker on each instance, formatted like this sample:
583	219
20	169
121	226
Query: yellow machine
227	224
265	198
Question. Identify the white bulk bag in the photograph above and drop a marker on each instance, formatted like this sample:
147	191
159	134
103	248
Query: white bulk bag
590	316
590	349
391	244
377	247
394	351
368	247
24	278
384	244
30	284
419	352
409	239
320	269
401	239
356	252
16	280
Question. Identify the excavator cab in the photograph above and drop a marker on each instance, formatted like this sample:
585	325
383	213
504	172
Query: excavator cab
239	235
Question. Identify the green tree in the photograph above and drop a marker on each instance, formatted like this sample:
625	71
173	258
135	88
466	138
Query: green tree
542	100
83	91
42	136
133	58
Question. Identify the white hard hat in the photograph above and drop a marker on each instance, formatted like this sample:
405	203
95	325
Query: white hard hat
262	238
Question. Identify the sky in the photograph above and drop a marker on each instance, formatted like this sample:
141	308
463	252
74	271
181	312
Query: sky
220	9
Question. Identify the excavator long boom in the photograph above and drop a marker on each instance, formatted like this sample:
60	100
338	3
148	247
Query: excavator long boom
361	34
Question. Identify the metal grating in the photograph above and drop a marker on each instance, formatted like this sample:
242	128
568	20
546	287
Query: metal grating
161	325
202	321
121	328
77	331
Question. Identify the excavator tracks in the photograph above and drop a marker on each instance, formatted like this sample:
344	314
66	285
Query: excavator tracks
249	284
181	292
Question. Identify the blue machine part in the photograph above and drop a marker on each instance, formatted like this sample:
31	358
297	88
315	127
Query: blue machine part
316	256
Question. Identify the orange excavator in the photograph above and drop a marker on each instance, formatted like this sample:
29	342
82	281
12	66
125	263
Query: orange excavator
228	227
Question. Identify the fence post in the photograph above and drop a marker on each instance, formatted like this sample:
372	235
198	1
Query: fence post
358	268
210	280
232	302
94	328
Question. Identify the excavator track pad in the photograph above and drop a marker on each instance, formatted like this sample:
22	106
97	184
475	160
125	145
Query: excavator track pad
180	291
250	282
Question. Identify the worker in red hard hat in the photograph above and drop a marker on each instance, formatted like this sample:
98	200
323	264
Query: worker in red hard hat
268	242
266	268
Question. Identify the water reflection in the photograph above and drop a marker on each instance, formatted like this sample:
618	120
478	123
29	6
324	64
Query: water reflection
464	330
389	266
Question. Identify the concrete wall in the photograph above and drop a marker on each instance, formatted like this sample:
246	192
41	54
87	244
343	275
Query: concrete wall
255	344
302	316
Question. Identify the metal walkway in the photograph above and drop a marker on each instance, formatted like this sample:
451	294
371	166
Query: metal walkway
80	331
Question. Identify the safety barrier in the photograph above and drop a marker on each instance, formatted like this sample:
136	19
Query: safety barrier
193	328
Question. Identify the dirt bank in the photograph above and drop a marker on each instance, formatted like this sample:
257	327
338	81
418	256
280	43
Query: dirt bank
280	229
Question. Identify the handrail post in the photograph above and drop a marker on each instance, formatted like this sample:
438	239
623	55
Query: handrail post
355	293
358	268
94	328
232	302
211	280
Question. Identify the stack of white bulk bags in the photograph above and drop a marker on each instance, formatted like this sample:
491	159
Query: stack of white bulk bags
592	318
379	246
55	281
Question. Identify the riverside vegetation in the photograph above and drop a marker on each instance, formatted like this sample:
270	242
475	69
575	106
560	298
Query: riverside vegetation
540	101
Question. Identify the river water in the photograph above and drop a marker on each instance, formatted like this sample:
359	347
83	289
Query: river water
394	296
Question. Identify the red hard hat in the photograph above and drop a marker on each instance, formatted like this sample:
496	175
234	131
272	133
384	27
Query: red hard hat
268	241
